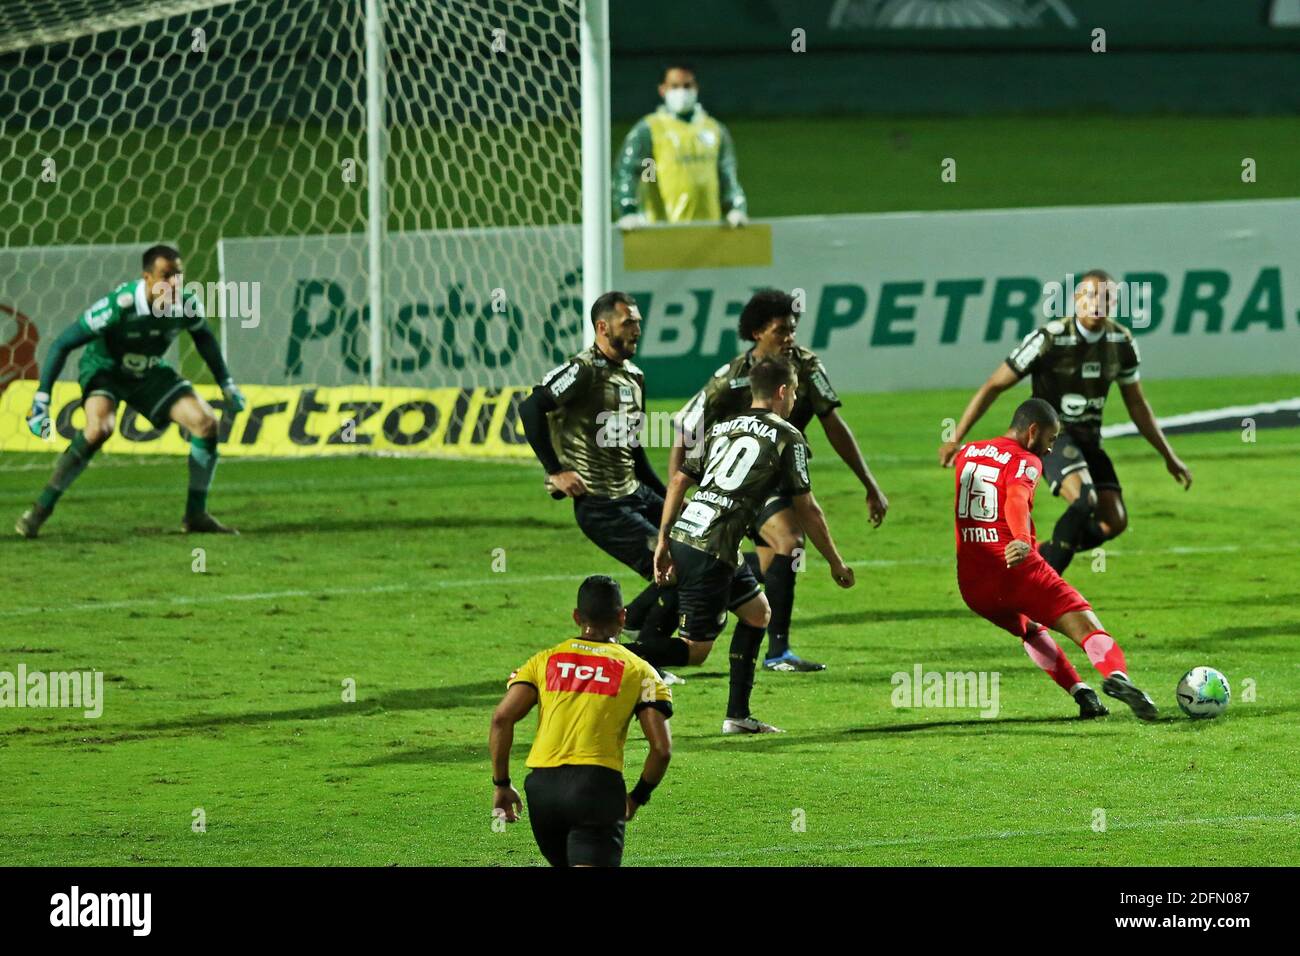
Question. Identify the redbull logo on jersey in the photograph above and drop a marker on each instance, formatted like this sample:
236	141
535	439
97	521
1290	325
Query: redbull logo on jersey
584	674
989	451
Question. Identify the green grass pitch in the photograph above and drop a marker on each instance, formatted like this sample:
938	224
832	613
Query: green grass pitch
224	688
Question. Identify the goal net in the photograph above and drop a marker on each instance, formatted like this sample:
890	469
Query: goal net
317	163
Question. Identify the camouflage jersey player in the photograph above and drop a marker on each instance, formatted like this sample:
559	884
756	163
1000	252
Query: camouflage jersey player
1073	362
743	460
769	321
126	334
583	422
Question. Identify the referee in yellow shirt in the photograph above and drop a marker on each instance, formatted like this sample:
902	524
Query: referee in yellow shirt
587	689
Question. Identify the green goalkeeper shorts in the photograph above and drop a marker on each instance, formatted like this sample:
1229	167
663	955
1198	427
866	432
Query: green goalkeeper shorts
152	394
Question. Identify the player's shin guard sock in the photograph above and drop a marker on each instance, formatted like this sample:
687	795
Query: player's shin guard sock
745	644
640	607
203	465
1104	653
1059	552
1047	654
71	463
779	585
754	565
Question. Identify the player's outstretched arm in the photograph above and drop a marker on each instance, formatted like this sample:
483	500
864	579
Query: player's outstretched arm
517	702
655	726
845	444
70	339
1001	380
209	349
813	521
1139	409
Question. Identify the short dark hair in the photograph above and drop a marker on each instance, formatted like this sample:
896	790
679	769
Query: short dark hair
604	307
1033	411
154	253
764	306
1101	274
599	600
769	374
676	65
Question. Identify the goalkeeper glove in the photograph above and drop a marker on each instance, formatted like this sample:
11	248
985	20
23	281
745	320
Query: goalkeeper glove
235	400
38	419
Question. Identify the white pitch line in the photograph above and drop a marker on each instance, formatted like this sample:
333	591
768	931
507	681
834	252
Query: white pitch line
929	839
185	601
512	579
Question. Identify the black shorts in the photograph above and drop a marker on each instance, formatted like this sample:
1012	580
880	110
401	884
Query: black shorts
1073	453
624	528
774	505
707	589
577	814
151	395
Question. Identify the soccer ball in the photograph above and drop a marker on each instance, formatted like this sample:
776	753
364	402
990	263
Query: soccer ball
1203	692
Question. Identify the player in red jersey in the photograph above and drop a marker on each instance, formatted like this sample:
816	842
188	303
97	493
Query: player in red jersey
1002	576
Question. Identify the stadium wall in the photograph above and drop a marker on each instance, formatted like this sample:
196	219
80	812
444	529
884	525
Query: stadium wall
891	301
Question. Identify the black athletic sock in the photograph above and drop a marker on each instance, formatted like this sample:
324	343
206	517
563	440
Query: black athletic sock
662	618
1092	536
745	642
779	586
1059	552
751	560
640	607
1056	554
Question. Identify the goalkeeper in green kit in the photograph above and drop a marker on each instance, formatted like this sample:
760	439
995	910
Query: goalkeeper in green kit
126	334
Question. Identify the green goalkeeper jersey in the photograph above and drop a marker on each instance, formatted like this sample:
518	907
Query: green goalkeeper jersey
128	337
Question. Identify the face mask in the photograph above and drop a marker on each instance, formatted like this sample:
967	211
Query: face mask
680	100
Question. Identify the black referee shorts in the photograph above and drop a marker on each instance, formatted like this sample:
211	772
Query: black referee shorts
707	589
624	528
1073	453
577	813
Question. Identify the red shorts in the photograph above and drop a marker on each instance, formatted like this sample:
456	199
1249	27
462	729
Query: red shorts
1012	597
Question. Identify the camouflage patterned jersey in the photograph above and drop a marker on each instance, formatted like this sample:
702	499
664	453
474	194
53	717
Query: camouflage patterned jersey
594	431
1074	375
727	393
742	461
